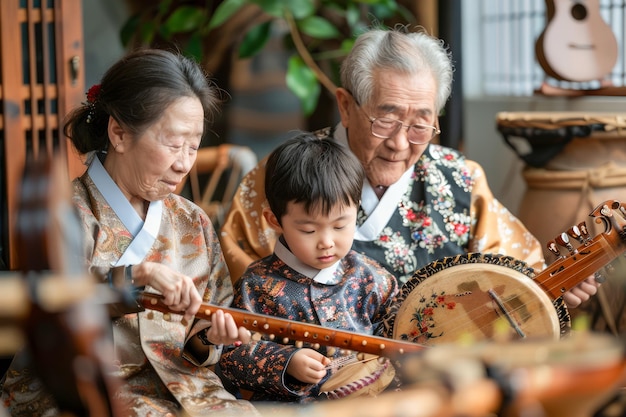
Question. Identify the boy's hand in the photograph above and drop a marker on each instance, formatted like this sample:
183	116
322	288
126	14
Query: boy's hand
308	366
224	330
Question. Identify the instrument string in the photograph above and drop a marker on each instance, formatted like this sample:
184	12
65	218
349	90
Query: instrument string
595	257
348	360
463	326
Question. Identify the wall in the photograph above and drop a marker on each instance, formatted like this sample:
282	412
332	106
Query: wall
102	21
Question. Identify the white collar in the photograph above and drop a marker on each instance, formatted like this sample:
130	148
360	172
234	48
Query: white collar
323	276
144	232
379	211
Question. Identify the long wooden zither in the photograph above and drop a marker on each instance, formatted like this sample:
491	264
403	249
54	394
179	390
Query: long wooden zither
287	331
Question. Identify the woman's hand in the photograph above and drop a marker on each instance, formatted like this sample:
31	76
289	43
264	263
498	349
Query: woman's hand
581	293
179	291
308	366
224	330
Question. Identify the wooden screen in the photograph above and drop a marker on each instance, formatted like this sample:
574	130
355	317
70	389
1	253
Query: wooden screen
41	79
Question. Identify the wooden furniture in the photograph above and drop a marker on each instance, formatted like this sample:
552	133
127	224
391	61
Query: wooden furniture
41	79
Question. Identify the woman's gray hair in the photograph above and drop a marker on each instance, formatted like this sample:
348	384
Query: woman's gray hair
398	50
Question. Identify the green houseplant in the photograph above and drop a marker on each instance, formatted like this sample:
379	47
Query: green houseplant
319	33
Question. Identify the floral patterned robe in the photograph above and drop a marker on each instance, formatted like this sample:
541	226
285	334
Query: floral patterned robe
354	299
155	378
447	208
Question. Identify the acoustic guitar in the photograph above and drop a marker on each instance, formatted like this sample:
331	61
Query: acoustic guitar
576	44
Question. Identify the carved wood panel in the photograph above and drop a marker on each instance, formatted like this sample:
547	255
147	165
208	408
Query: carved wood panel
41	79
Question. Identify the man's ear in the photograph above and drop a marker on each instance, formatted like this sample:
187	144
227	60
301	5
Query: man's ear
344	99
272	220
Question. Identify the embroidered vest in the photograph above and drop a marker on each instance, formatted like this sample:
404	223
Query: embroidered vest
431	220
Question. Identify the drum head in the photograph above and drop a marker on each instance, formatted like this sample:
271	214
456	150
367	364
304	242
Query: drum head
471	297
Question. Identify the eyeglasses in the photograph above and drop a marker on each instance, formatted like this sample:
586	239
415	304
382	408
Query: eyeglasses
384	128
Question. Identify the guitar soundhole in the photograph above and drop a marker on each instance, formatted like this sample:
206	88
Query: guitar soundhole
579	11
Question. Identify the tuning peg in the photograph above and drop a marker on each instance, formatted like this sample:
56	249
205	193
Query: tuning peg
552	247
574	233
599	277
563	240
584	232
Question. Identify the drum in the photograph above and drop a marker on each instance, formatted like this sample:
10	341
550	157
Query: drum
573	162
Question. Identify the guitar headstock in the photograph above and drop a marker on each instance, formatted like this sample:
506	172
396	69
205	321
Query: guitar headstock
592	254
613	214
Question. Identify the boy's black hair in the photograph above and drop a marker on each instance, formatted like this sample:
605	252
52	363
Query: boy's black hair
318	172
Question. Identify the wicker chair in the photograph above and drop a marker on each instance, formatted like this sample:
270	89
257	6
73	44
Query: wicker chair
226	165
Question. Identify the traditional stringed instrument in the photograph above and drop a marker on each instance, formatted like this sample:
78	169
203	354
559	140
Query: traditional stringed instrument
479	296
64	328
576	44
287	331
571	376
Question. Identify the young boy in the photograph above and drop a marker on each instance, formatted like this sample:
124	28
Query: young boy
313	187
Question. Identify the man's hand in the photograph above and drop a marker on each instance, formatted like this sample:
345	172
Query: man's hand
581	293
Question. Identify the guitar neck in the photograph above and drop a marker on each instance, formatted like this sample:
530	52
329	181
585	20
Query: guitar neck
568	271
563	275
286	331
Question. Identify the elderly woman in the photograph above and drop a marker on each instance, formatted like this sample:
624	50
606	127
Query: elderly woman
140	131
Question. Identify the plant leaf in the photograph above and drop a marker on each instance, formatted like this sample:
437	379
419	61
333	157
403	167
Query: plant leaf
224	11
129	30
346	46
272	7
184	19
374	1
302	82
164	6
353	15
194	47
255	40
384	9
146	32
301	9
318	27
